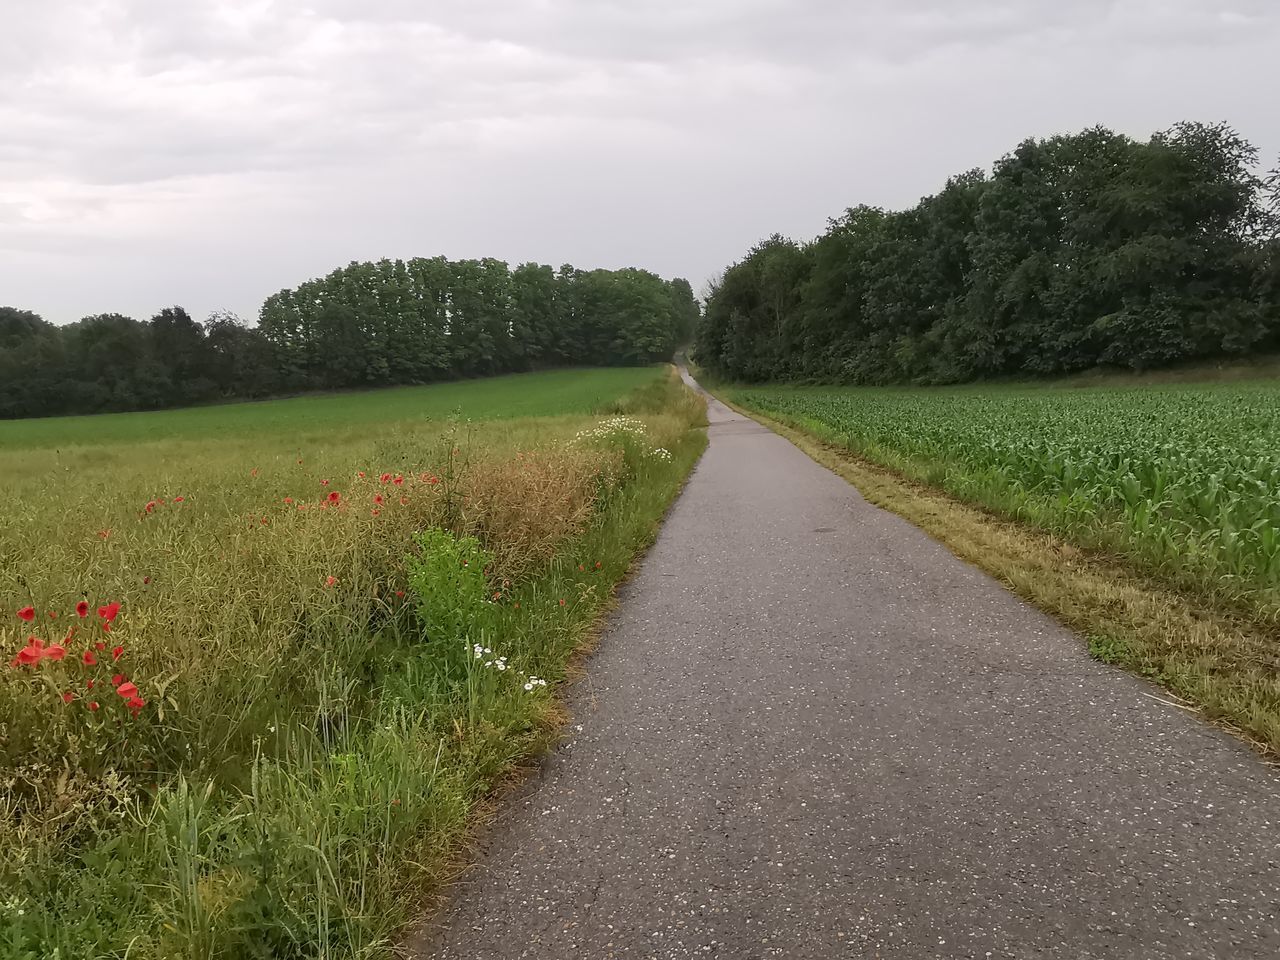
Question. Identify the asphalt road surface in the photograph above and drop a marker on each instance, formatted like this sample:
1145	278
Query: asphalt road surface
812	732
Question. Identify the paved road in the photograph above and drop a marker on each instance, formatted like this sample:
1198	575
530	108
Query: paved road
812	732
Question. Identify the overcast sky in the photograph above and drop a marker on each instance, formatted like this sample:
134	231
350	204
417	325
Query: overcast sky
208	153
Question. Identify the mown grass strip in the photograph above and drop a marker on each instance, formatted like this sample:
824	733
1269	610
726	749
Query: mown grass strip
1226	664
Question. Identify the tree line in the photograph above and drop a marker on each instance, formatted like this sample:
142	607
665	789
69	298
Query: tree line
364	325
1077	251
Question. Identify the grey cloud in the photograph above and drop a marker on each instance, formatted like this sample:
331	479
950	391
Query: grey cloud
224	148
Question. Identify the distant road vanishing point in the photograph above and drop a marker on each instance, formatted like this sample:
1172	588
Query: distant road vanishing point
812	732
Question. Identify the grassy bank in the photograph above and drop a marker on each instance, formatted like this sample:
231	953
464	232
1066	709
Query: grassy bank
341	640
1112	566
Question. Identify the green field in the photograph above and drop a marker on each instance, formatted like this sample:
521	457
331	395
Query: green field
273	743
520	395
1184	481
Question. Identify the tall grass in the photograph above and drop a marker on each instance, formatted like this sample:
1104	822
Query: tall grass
333	672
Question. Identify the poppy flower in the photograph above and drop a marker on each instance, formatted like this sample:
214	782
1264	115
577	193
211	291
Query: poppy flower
82	608
375	511
434	480
360	474
385	478
254	471
179	499
106	627
404	501
335	497
146	580
398	481
53	615
93	705
29	655
150	507
135	704
378	499
88	684
68	697
330	581
288	499
597	564
55	651
109	612
99	645
324	483
562	603
400	594
265	521
27	613
127	689
117	679
581	568
89	660
104	534
116	653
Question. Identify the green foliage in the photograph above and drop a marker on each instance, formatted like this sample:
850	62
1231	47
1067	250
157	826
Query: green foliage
1181	480
1077	251
367	324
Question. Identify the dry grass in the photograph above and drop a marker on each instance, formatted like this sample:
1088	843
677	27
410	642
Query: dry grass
1225	664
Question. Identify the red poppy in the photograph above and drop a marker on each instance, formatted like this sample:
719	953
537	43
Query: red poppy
55	651
127	689
335	497
146	580
597	564
302	506
116	653
99	645
360	474
378	499
330	581
400	594
104	534
288	499
53	615
117	679
106	627
404	501
88	684
562	603
29	655
82	608
265	521
68	697
89	660
179	499
386	477
254	471
398	480
27	613
109	612
581	568
434	480
150	507
135	704
324	483
93	705
375	511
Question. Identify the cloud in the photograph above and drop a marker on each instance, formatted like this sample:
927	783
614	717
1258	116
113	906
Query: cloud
211	152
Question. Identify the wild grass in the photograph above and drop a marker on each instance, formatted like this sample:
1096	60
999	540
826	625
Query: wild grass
301	612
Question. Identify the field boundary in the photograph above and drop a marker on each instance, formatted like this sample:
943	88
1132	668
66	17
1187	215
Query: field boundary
1214	662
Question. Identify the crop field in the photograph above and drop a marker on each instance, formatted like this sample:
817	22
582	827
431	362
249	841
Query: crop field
261	660
1183	482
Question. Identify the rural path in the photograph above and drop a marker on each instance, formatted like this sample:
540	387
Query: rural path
812	732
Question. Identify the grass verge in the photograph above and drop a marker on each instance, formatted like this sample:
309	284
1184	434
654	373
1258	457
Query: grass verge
1227	665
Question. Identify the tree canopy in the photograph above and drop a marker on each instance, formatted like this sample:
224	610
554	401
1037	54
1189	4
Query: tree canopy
364	325
1076	251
